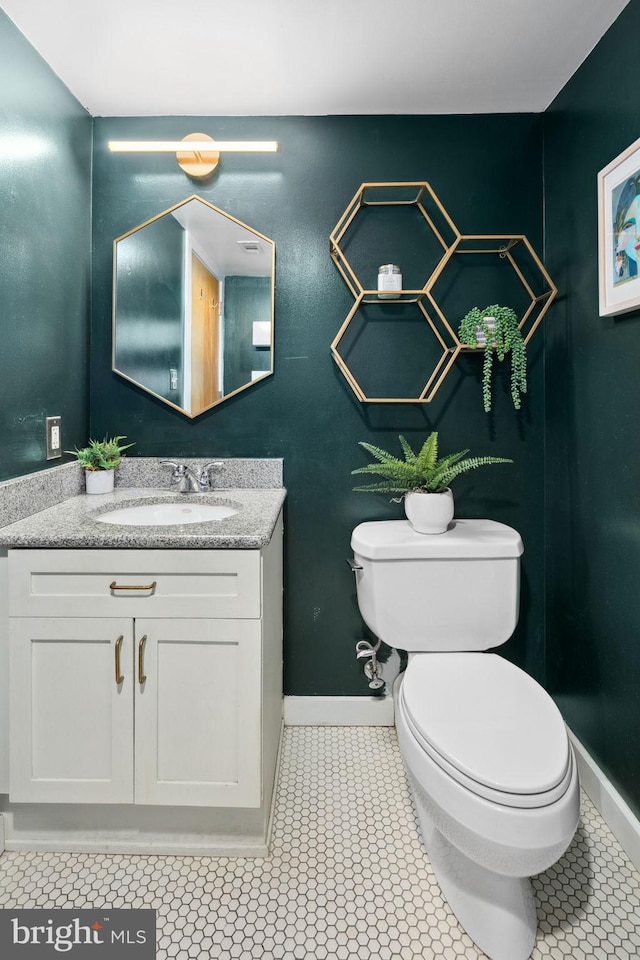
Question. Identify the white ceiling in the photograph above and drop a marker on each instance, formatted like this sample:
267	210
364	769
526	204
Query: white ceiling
313	57
218	240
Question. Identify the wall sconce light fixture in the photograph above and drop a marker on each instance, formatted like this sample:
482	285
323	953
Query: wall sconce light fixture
197	154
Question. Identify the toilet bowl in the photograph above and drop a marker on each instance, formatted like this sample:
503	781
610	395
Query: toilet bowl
485	837
487	756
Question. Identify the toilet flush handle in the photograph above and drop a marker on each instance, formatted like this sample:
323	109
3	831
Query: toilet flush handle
354	565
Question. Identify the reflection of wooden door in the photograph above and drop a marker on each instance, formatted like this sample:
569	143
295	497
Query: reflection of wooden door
205	322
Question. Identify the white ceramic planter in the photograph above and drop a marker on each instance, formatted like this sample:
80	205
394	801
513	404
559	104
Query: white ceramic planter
99	481
429	512
481	336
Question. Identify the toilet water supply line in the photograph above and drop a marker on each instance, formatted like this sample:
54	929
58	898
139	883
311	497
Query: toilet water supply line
371	667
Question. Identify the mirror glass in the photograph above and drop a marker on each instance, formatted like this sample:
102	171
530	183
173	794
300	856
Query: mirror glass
193	306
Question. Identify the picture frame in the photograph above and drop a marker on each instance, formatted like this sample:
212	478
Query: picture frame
619	233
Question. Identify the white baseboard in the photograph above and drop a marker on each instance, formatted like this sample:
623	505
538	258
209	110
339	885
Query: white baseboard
1	834
131	847
338	711
616	813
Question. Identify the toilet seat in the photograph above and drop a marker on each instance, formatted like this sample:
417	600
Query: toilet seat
488	725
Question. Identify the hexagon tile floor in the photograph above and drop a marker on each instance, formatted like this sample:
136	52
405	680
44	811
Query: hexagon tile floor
346	877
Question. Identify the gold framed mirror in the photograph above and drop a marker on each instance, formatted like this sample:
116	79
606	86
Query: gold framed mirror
193	299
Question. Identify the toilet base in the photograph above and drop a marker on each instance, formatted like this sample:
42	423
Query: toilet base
497	912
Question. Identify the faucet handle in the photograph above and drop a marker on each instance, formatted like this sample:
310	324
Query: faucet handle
204	479
178	476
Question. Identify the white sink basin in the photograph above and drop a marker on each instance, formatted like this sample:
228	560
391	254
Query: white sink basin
167	514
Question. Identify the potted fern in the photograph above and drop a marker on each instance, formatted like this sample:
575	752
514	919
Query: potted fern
497	328
423	478
100	459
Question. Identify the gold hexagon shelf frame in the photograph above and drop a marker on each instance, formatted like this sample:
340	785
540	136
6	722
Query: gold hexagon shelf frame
421	195
422	192
502	245
441	369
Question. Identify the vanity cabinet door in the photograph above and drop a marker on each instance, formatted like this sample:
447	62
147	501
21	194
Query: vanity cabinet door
198	712
71	720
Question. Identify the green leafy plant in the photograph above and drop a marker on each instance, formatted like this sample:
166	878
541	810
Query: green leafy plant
506	338
101	454
422	471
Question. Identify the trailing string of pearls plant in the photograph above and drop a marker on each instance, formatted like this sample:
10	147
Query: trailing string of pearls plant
496	329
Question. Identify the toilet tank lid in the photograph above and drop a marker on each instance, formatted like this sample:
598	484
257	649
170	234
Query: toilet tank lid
473	539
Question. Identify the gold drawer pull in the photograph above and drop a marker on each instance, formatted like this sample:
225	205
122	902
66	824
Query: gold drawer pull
119	676
141	674
138	586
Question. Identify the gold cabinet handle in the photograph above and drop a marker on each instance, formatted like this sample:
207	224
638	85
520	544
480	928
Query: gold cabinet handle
119	676
141	674
124	586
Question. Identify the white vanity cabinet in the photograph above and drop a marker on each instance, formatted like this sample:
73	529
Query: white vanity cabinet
145	676
70	724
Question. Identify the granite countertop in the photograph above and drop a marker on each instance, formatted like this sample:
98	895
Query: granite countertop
73	523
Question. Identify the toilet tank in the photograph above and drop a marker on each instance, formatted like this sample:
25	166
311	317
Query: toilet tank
457	590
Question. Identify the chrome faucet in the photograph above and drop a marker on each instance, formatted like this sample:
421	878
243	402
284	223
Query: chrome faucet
184	479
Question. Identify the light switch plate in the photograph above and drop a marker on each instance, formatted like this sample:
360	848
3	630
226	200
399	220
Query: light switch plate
54	437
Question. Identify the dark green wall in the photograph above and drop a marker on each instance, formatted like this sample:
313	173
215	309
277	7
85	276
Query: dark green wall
245	299
45	201
593	396
150	295
487	172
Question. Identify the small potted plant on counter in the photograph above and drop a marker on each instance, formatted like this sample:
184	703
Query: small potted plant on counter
423	478
100	459
496	328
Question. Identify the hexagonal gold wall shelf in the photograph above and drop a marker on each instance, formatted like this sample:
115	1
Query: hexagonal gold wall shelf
445	355
418	194
514	249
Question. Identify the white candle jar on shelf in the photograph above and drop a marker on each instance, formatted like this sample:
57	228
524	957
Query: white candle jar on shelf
389	281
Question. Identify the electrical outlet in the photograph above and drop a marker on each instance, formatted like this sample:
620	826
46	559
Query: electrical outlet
54	437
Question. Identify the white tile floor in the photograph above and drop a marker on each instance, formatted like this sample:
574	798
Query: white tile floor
346	877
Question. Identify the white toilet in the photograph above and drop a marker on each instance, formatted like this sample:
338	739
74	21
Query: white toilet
486	751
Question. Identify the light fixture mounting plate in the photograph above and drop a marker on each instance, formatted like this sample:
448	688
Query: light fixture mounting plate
198	164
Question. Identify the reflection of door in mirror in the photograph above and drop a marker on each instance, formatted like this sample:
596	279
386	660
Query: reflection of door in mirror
205	336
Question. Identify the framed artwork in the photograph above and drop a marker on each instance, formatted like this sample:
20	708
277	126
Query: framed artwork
619	233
